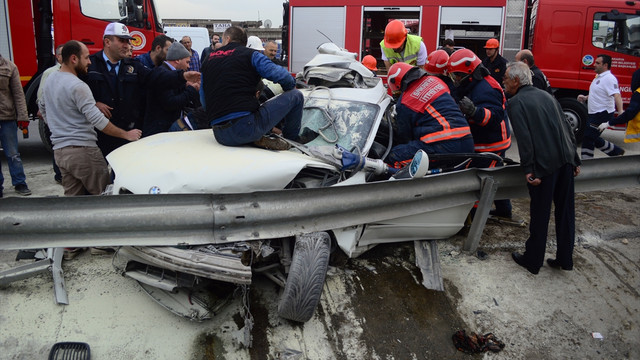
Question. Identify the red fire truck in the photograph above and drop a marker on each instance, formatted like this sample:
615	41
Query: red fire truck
30	30
565	36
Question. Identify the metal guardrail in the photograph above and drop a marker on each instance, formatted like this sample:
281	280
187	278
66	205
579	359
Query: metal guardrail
179	219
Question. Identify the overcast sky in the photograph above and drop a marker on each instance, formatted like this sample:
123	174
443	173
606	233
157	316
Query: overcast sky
238	10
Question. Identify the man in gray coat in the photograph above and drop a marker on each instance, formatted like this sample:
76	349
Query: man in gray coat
550	161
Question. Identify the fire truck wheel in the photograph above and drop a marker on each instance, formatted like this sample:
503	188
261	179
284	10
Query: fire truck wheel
45	135
576	113
305	281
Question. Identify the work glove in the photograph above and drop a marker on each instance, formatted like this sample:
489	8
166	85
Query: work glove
467	107
602	127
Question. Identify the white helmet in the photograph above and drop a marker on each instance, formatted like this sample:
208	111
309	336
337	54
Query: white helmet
254	42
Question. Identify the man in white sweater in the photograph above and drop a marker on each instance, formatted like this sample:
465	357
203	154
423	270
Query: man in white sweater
72	115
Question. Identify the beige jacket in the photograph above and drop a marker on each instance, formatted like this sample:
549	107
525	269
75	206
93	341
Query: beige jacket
13	105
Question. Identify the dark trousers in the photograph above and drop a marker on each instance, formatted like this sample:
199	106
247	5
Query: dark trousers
592	137
557	187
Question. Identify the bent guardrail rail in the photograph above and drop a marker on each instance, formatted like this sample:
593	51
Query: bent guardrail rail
180	219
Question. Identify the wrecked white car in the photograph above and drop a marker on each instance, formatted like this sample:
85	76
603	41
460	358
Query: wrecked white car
347	127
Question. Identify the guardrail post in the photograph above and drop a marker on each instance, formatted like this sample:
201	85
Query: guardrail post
488	190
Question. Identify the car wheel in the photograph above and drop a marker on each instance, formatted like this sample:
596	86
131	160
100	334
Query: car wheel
576	114
306	277
45	135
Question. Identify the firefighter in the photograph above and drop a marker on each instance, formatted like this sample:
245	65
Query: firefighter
398	46
483	103
370	63
427	116
494	61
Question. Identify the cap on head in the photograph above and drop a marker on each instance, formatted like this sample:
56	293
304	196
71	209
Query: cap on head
369	62
437	62
117	29
394	34
254	42
492	44
177	51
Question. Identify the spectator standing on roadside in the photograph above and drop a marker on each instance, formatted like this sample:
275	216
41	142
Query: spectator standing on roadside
158	52
494	62
550	161
400	46
194	64
537	76
603	99
271	50
118	84
215	39
230	78
57	177
165	104
449	46
13	108
72	115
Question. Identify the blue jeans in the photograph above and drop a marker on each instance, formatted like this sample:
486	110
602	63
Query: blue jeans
286	107
9	142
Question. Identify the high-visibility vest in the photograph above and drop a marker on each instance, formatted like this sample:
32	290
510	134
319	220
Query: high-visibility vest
410	53
632	134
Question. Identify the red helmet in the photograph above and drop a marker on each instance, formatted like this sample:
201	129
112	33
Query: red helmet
395	75
463	61
394	34
492	44
369	62
437	62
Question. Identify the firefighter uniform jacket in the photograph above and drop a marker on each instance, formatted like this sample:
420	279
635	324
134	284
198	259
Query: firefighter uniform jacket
427	112
489	127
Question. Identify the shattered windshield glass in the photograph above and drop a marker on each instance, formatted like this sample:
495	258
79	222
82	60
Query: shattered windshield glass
330	122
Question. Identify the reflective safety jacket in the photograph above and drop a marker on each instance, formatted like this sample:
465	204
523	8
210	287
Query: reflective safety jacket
427	112
410	53
489	127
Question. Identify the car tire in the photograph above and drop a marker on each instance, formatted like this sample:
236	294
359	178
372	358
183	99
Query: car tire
577	114
305	281
45	135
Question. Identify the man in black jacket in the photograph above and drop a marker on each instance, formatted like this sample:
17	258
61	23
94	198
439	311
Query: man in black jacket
166	104
117	84
550	161
538	78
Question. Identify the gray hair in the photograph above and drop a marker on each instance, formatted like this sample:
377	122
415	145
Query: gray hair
520	70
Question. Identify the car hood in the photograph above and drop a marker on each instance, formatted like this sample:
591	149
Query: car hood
194	162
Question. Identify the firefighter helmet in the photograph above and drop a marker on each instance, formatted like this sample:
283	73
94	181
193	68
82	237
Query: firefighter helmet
370	63
463	61
396	74
492	44
437	62
394	34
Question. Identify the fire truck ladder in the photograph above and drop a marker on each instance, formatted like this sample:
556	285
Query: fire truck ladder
513	28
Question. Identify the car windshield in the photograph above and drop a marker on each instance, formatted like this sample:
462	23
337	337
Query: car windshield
331	122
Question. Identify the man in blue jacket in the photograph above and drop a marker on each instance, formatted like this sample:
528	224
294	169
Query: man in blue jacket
230	76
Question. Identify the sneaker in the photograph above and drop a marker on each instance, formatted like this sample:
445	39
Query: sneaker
71	253
23	190
272	143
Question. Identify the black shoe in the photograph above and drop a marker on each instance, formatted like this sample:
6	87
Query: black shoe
23	190
517	257
556	264
58	179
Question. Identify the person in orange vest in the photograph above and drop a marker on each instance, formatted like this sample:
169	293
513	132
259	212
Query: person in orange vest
399	46
483	102
427	116
494	61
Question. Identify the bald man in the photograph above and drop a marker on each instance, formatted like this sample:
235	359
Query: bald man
537	76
